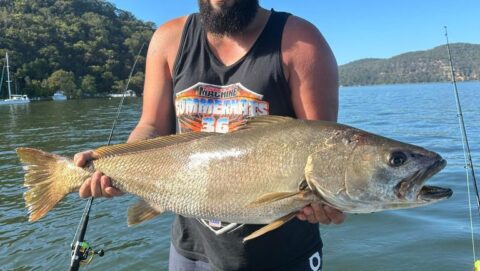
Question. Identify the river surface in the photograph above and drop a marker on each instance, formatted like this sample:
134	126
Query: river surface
436	237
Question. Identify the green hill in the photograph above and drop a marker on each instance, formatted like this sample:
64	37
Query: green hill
413	67
85	47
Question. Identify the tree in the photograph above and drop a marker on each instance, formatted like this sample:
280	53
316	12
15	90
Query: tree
88	85
92	39
65	81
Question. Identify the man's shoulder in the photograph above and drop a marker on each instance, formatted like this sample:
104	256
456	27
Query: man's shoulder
298	28
167	37
172	27
304	45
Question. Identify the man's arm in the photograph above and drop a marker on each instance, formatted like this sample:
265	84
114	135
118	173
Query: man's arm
312	73
157	111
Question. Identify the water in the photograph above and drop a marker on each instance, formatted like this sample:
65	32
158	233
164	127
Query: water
435	237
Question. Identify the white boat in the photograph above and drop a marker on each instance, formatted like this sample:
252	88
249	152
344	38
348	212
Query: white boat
12	98
59	96
16	99
128	93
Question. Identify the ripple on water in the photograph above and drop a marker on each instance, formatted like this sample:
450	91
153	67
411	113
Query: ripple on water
415	239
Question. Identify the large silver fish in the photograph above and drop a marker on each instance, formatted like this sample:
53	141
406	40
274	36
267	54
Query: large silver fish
261	174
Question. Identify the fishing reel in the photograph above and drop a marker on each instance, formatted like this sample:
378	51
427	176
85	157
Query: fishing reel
86	253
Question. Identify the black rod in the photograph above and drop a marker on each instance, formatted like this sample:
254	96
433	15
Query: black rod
82	226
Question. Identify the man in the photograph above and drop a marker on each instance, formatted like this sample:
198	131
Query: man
231	61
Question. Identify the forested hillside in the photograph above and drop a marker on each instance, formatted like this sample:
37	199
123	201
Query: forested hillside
87	48
422	66
84	47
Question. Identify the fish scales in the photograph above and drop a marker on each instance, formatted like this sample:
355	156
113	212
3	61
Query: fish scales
261	174
222	174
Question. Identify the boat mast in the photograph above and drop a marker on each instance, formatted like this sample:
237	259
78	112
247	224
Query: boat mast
8	77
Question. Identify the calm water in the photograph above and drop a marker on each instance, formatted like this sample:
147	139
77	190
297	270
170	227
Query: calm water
435	237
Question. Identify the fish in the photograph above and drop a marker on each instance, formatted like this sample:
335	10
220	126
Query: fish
263	173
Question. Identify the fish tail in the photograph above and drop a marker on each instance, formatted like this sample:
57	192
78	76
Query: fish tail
49	179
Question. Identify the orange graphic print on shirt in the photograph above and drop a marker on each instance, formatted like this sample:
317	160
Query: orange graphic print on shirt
211	108
222	109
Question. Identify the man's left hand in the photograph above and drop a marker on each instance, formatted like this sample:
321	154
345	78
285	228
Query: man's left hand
321	213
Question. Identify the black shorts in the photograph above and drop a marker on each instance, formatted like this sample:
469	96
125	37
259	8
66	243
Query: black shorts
178	262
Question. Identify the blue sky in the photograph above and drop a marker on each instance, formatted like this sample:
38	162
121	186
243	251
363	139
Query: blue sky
355	29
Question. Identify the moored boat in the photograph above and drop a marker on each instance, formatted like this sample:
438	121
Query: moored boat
59	96
128	93
12	98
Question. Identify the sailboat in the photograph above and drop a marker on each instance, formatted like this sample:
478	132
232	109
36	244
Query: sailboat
12	98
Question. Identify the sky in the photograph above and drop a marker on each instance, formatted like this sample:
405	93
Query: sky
355	29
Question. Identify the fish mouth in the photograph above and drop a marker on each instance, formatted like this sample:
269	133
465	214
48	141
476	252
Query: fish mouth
412	187
429	193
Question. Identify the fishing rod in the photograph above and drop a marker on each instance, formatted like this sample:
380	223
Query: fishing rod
1	80
466	146
82	252
466	152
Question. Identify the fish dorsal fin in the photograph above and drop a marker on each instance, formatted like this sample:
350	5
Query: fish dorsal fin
159	142
263	121
142	211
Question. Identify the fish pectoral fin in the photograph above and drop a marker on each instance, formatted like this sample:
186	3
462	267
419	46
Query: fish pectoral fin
140	212
276	196
270	227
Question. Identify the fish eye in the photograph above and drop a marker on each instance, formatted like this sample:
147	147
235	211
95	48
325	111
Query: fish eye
397	159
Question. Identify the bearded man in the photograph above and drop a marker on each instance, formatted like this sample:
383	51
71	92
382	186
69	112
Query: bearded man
208	72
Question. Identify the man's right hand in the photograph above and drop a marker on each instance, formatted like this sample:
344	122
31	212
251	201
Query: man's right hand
98	185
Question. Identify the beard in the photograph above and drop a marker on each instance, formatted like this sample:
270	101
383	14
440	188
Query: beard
227	20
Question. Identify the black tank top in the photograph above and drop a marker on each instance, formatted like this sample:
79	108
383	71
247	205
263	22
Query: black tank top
210	96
